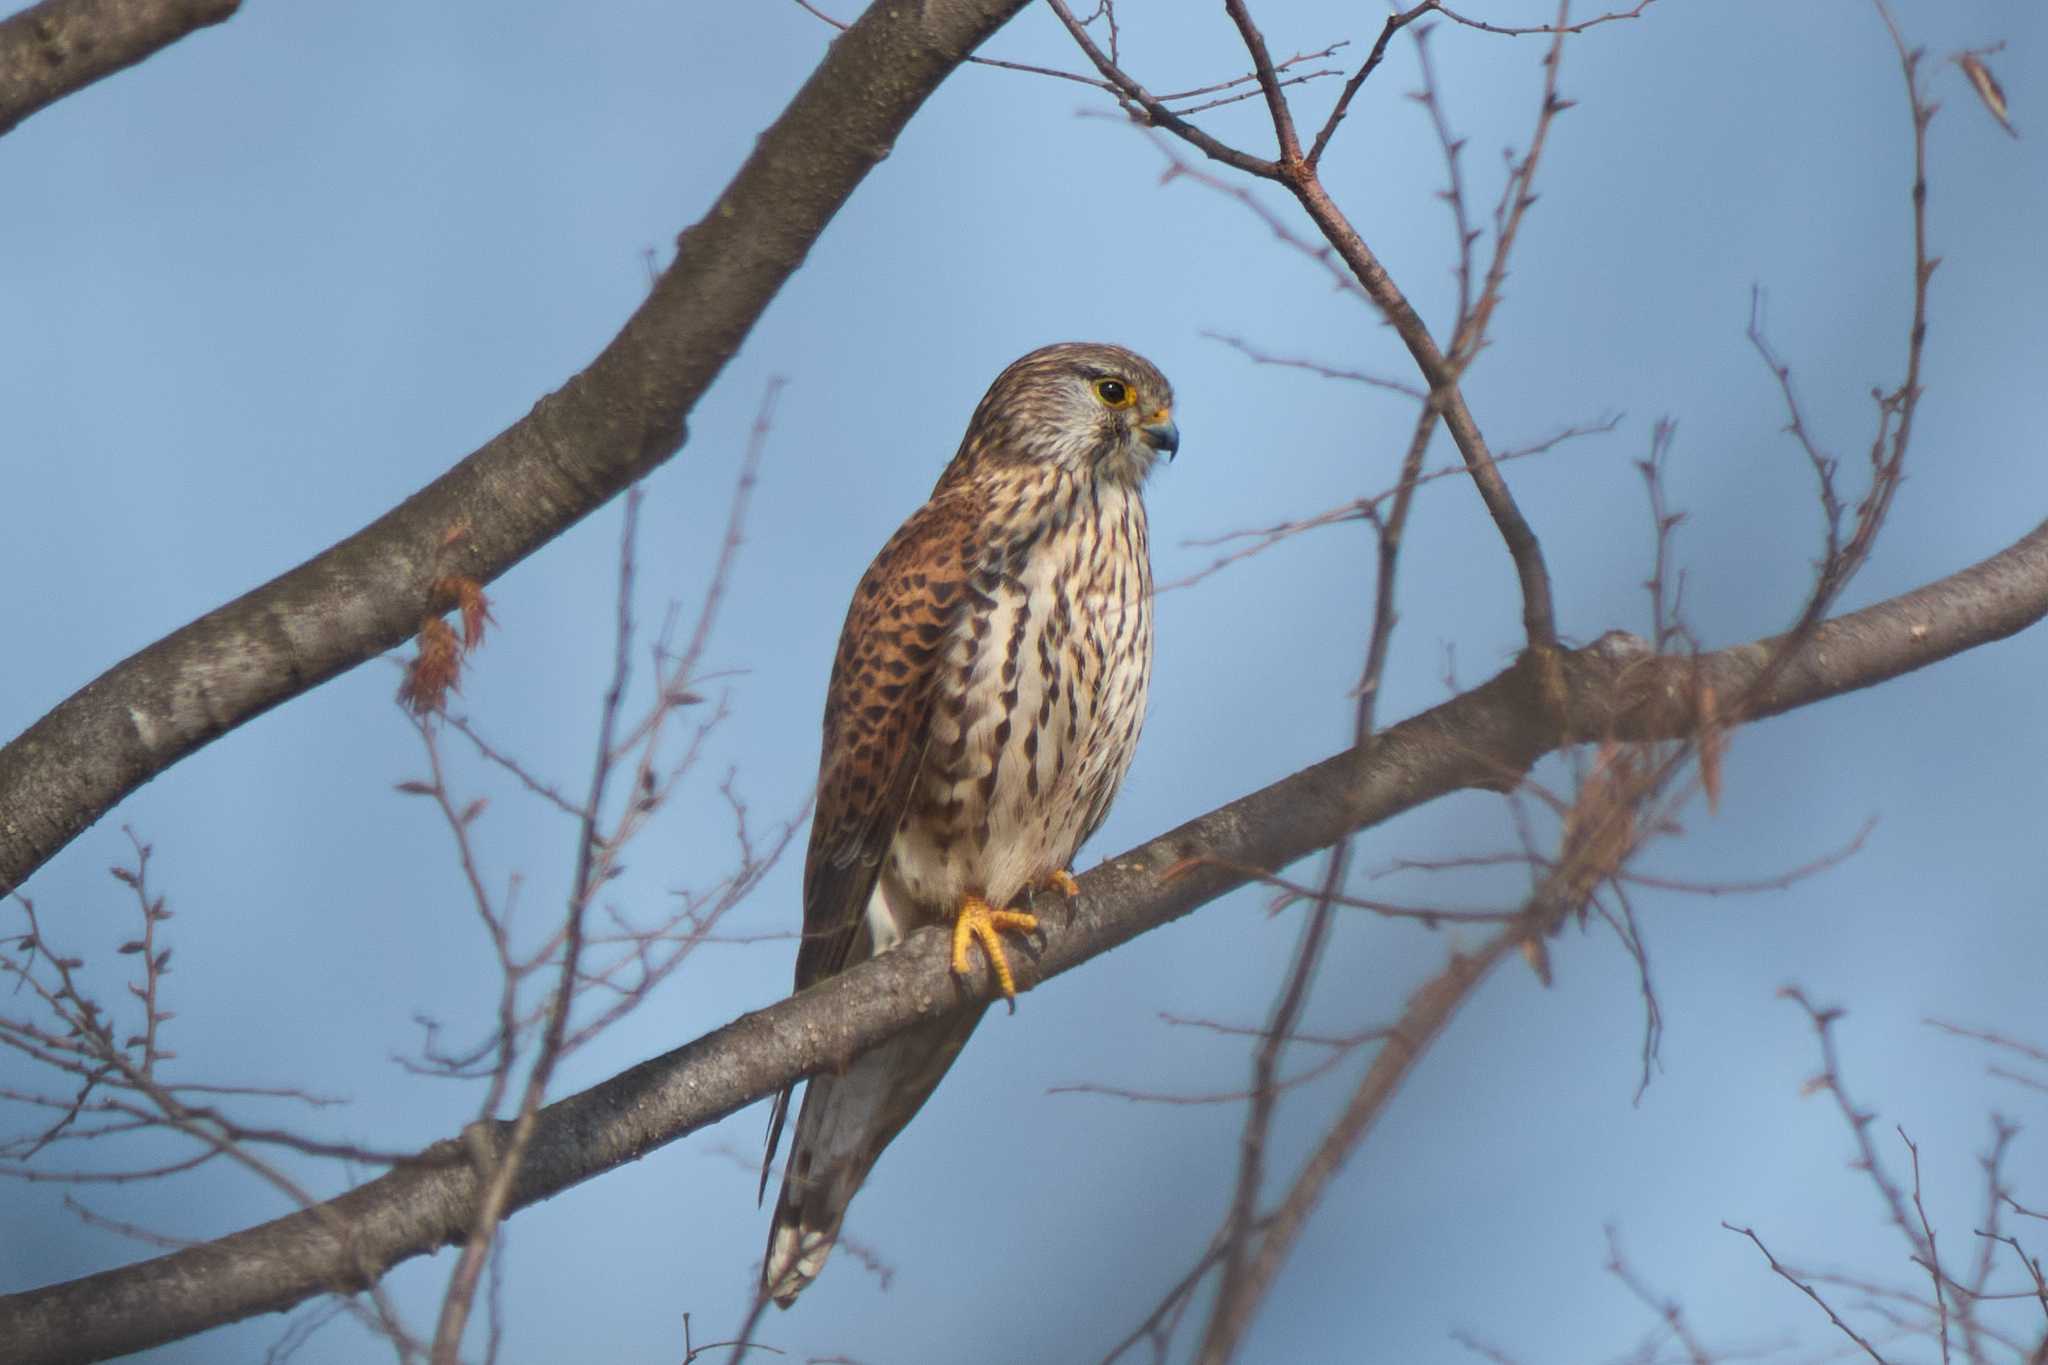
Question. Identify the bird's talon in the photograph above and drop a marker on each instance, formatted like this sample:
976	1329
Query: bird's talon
979	922
1062	881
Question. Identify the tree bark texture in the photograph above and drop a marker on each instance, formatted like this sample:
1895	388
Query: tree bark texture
47	51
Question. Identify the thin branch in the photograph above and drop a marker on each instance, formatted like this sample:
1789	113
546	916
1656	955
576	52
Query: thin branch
593	865
1666	1309
1259	357
2031	1051
1453	195
1809	1291
1559	29
1149	109
1517	196
1931	1260
1358	509
1169	97
1269	82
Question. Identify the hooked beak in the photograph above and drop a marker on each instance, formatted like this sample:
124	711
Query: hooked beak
1160	433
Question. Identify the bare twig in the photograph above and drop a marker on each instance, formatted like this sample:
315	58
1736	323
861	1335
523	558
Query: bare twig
1667	1310
1807	1290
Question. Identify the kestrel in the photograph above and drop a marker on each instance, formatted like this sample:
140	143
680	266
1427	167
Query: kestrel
983	709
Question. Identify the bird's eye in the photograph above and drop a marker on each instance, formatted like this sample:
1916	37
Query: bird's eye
1114	392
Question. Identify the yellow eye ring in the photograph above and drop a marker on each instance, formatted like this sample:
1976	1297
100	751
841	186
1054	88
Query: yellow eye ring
1115	393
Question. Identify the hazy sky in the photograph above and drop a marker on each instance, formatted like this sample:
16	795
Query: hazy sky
276	278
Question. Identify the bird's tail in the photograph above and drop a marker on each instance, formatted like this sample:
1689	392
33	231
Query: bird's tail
846	1121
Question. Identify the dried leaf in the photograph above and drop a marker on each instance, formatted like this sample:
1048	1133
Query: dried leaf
1600	827
1713	742
434	670
469	598
1988	89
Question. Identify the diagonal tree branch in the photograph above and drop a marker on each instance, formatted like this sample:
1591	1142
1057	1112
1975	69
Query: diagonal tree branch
577	448
50	50
1301	177
1613	689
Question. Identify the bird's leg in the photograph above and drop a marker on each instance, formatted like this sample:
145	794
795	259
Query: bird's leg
980	922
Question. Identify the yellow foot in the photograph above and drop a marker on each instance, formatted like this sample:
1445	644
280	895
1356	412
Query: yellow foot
980	922
1062	881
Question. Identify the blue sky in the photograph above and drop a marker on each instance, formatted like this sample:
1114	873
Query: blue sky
276	278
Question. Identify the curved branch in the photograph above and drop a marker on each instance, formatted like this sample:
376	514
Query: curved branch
579	446
50	50
1302	179
1614	688
1444	374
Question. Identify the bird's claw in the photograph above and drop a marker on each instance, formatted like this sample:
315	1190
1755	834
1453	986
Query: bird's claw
980	922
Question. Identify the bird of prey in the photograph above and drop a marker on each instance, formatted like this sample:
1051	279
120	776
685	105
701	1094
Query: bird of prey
984	705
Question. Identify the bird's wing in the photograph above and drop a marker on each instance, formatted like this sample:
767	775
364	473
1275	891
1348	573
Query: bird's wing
877	715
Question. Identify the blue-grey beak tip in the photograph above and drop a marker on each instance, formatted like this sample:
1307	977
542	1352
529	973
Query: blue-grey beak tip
1163	437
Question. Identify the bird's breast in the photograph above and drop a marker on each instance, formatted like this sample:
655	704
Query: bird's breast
1037	709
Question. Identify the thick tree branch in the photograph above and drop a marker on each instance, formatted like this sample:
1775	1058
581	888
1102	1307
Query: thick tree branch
579	446
1614	688
50	50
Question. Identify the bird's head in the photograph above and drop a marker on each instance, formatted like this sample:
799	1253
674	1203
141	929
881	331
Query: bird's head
1099	411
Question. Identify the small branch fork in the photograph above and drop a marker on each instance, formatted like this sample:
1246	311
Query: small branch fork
1952	1312
1227	92
125	1086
